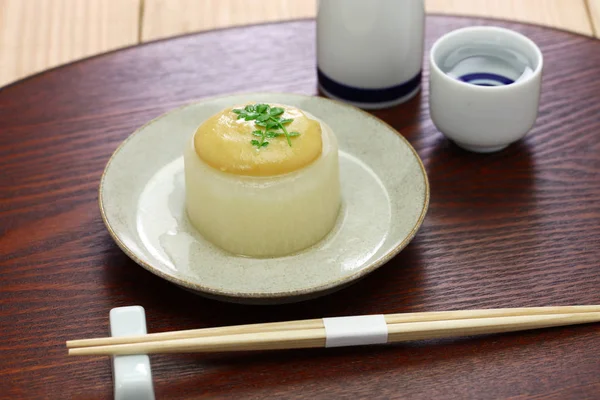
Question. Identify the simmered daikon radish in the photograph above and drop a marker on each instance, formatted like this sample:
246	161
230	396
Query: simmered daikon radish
262	180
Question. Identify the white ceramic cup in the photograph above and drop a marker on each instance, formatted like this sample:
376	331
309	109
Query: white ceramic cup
370	53
484	86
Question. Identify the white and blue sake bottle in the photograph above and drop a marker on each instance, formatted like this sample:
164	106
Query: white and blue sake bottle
370	52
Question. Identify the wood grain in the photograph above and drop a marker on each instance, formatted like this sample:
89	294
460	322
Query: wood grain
594	11
164	18
562	14
512	229
40	34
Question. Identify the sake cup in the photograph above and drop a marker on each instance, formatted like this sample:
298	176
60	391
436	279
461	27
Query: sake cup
484	87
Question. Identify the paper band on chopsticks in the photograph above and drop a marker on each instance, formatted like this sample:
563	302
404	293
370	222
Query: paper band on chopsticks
355	331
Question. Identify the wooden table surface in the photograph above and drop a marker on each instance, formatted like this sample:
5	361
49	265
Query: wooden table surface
39	34
516	228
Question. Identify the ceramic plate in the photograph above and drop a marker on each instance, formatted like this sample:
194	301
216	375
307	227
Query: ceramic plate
385	197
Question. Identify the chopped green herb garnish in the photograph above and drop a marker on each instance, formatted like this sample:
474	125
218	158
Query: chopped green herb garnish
261	108
268	118
275	111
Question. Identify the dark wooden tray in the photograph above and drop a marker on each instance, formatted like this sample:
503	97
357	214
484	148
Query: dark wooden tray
516	228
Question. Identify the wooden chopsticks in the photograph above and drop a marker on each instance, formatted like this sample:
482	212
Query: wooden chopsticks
312	333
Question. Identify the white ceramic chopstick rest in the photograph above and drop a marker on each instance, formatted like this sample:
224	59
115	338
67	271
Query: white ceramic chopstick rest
355	331
132	376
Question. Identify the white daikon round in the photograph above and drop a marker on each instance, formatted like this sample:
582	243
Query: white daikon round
265	216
